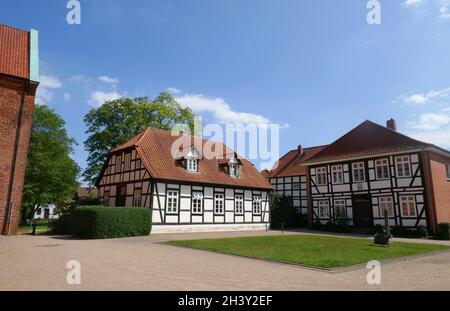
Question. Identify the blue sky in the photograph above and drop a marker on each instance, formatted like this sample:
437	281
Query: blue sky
315	67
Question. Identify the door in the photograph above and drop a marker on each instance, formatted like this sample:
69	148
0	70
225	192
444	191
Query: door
121	195
362	211
46	213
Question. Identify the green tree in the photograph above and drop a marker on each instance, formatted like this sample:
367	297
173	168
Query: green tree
117	121
51	175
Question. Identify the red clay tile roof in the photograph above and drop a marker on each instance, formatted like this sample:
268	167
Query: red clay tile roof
368	139
290	163
14	52
154	147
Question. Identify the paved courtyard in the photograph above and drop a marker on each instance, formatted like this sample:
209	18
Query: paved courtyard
144	263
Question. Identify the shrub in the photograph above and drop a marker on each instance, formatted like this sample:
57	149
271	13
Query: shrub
377	229
444	231
422	232
317	225
282	212
62	225
105	222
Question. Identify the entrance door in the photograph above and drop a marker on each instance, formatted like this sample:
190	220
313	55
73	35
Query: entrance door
121	195
362	211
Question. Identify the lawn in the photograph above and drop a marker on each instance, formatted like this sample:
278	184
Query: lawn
311	250
41	227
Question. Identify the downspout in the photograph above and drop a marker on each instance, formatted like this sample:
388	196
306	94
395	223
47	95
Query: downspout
9	202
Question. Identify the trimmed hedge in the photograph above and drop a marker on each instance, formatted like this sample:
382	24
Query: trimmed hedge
105	222
444	231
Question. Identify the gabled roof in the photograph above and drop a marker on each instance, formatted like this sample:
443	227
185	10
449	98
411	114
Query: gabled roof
155	149
368	139
291	163
14	52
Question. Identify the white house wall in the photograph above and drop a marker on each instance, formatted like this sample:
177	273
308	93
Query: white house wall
285	186
393	186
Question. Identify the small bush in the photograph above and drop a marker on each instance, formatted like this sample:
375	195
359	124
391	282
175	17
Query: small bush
317	225
104	222
62	225
422	232
377	229
444	231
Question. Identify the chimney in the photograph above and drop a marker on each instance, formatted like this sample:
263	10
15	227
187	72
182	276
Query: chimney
391	124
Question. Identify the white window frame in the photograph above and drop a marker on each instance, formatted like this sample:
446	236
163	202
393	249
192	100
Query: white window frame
219	203
383	165
340	204
386	202
401	163
321	171
239	204
324	206
173	201
192	165
257	205
197	202
337	174
360	167
408	199
135	199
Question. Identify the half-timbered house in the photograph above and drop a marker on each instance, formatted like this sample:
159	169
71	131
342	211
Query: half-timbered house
374	168
186	189
288	177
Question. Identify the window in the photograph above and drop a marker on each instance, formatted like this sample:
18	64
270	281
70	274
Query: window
239	204
137	196
296	186
321	175
340	209
192	165
172	201
324	209
358	172
197	202
382	169
408	204
403	166
118	164
106	198
256	204
447	166
127	164
337	174
218	203
38	211
386	203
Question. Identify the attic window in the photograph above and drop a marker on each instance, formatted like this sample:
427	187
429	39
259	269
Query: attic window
234	167
192	165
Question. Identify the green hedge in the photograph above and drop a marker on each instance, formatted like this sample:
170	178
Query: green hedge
105	222
444	231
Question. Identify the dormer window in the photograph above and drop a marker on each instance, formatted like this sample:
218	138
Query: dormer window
234	167
192	165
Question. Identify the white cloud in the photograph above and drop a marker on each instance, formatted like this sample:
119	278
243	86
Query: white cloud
173	90
440	137
221	111
76	78
109	80
67	96
432	121
444	11
44	92
413	3
423	98
98	98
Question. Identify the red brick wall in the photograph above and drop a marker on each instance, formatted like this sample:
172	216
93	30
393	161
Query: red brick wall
441	187
11	92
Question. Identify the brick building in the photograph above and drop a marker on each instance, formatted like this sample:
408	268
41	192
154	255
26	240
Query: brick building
19	72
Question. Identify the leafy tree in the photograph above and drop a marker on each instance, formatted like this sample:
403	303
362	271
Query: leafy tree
51	175
283	213
117	121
